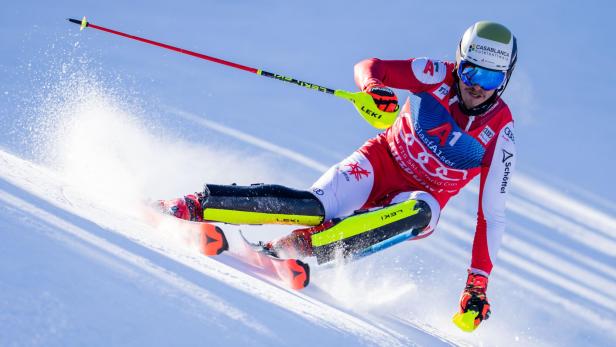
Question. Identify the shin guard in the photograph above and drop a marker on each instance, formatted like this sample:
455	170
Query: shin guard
260	204
357	233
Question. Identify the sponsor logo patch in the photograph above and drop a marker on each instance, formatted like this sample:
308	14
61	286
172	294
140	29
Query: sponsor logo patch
505	181
486	135
442	91
506	155
509	134
487	50
318	191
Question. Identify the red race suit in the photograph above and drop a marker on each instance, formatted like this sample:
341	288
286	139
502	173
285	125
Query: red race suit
434	147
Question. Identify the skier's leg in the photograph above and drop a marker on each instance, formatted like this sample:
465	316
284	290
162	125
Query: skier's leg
419	213
343	189
340	191
255	204
187	207
260	204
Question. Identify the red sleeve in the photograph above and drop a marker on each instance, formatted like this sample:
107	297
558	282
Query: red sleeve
415	75
481	256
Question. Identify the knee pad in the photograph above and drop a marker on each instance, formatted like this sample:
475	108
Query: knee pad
428	199
435	209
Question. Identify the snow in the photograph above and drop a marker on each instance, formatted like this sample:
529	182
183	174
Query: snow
80	281
94	126
87	269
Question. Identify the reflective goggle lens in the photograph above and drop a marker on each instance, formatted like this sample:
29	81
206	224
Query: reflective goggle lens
475	75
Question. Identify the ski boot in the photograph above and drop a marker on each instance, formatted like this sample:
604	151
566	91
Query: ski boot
187	208
297	244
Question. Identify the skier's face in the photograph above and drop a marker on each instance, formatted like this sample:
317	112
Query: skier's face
475	95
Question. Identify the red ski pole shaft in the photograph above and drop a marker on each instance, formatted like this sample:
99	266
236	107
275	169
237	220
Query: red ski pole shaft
363	102
86	24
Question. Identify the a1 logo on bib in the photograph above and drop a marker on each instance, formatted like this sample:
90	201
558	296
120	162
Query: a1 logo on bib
429	71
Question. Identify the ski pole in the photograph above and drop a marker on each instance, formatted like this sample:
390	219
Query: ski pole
363	102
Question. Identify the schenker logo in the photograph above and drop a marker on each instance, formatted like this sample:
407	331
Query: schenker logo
506	159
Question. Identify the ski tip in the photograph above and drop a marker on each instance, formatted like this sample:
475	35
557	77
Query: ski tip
300	273
212	239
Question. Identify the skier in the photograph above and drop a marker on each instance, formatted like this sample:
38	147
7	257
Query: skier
453	127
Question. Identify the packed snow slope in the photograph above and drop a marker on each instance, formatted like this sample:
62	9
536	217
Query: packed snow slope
81	266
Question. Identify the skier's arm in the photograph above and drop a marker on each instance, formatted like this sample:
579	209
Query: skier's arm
413	74
495	176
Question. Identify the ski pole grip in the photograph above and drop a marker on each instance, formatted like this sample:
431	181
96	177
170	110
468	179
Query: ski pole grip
364	104
465	321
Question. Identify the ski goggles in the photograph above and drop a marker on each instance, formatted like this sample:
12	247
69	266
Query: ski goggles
471	75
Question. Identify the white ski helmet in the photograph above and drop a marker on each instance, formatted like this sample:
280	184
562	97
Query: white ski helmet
488	45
